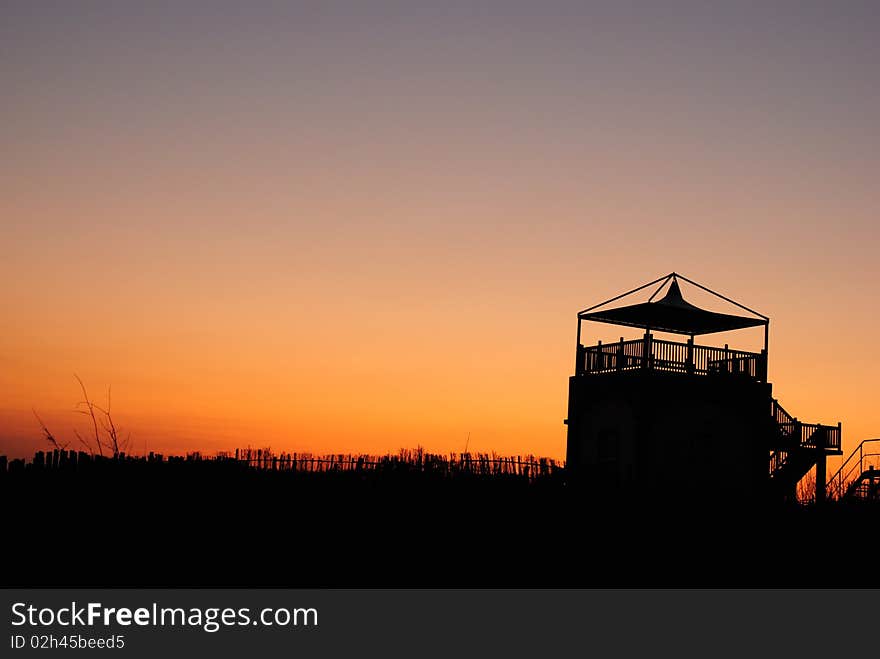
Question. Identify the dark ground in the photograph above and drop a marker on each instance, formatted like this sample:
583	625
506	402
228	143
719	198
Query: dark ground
209	524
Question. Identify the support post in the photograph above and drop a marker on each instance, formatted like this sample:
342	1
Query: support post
821	471
761	368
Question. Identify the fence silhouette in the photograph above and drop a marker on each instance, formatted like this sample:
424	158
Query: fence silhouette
415	461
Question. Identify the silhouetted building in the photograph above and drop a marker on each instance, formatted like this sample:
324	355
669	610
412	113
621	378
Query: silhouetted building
665	419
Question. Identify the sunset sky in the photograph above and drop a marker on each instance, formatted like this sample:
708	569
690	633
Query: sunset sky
335	227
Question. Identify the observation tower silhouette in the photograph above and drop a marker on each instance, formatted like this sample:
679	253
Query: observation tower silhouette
652	417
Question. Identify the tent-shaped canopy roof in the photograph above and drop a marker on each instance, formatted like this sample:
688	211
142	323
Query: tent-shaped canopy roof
672	313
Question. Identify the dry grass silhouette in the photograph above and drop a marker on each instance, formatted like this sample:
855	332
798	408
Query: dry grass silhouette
806	488
101	420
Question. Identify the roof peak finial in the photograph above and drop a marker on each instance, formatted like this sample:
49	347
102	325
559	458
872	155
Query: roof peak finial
673	294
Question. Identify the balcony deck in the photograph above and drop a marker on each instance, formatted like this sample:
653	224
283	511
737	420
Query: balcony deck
654	354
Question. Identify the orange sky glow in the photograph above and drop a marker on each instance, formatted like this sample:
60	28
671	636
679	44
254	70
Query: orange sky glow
296	232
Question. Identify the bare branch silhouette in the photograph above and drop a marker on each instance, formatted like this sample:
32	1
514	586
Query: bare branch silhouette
49	436
112	443
83	442
90	413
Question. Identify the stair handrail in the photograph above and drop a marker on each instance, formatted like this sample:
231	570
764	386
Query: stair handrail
838	488
785	422
778	408
781	418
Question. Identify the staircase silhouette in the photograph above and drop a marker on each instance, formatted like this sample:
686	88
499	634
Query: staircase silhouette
857	479
797	447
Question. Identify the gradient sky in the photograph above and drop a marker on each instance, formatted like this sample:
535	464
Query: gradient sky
361	226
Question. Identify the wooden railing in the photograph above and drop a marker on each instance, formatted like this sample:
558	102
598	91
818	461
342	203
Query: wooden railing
786	424
649	353
795	434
